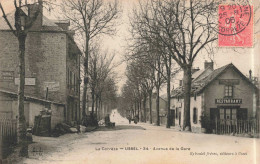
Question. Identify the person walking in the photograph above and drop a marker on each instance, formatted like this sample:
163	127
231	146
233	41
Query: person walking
129	119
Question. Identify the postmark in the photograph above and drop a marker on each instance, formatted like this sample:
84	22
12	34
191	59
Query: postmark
235	24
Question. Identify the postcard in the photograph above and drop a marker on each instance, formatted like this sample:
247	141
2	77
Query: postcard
129	81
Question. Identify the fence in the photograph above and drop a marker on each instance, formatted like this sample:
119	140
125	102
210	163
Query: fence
8	136
236	126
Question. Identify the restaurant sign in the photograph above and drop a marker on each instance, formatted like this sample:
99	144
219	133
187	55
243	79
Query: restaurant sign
228	101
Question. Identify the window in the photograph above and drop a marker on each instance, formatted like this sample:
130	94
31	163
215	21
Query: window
228	91
74	82
68	77
195	115
177	112
70	80
222	114
228	113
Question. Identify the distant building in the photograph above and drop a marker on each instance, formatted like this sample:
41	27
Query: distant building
222	94
162	110
52	71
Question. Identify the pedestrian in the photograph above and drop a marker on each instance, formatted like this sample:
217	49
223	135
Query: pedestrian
129	119
135	119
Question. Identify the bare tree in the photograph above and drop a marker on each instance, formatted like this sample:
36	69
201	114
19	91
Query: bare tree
22	26
184	28
100	68
91	18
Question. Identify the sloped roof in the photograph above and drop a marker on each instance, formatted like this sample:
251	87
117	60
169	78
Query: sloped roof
199	85
197	73
202	83
202	74
47	24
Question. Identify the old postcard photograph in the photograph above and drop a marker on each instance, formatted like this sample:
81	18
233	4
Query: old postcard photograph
129	81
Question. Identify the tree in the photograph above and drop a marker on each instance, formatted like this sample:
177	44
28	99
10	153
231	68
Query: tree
100	68
21	28
184	28
90	18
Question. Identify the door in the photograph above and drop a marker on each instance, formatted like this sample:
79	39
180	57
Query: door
214	114
172	117
242	114
179	118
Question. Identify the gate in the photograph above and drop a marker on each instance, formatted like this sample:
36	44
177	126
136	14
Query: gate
225	126
8	136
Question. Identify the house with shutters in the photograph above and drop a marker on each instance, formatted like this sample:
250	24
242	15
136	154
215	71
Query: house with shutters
52	70
222	96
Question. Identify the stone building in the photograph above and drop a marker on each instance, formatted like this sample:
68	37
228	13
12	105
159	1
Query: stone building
220	94
52	69
162	109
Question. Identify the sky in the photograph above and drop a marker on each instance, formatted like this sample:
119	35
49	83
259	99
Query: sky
243	58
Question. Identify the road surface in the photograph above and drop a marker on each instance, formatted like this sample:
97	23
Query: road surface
142	144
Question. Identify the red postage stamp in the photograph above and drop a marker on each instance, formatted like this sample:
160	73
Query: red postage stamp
235	25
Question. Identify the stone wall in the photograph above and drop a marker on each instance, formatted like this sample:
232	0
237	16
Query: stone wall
45	62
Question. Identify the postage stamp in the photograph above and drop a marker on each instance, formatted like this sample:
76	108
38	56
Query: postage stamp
235	23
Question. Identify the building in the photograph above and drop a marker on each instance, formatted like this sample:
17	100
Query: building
220	94
162	110
52	70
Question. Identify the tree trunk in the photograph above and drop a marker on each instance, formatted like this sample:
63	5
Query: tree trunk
168	124
96	108
84	96
21	131
135	109
138	110
187	92
144	106
93	103
102	115
157	105
150	106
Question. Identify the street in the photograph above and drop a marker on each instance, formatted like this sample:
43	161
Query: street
142	143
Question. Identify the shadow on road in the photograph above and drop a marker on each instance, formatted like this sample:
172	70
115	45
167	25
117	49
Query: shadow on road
120	127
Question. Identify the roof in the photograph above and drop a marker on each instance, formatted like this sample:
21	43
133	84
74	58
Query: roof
201	83
201	74
197	73
30	97
47	24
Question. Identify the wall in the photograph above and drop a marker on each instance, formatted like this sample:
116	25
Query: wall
45	61
196	127
242	91
6	106
57	115
162	109
179	106
35	109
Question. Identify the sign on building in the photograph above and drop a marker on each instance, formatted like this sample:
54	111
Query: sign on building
28	81
7	76
228	101
52	86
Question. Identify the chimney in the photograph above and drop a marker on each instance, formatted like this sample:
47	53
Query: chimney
195	70
32	11
250	74
64	24
209	65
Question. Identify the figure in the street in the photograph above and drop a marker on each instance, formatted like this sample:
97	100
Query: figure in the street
129	119
107	120
135	119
